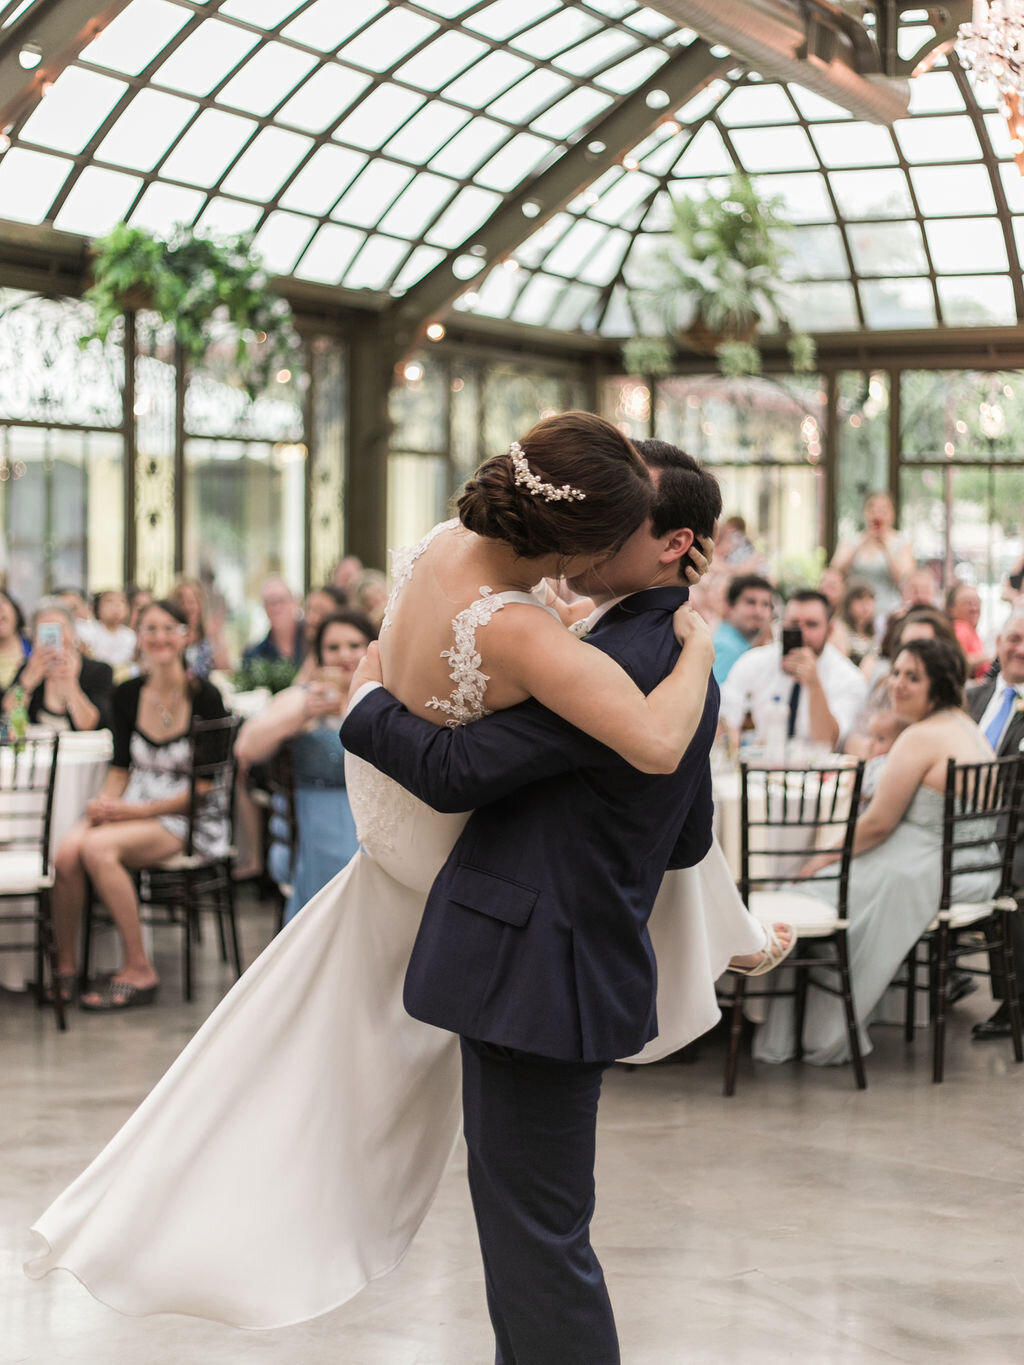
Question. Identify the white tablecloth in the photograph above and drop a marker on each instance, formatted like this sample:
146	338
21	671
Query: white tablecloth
82	762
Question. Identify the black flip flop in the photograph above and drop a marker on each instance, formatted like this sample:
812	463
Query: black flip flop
120	995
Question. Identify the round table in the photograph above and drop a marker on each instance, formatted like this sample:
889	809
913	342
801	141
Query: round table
82	762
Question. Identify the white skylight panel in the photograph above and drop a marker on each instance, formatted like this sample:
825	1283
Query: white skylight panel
326	24
281	240
208	147
266	78
650	23
813	253
162	207
854	144
434	125
935	92
705	154
145	130
626	194
29	182
209	53
750	105
266	164
441	61
663	156
418	205
1013	188
323	99
958	244
487	79
553	35
821	306
75	107
505	17
815	107
703	102
529	97
548	235
642	263
471	207
1018	235
953	190
497	294
618	319
938	139
578	110
538	299
998	130
659	215
571	308
897	303
597	52
887	248
872	194
388	39
513	162
603	265
774	149
614	9
376	263
378	116
263	13
583	238
446	9
322	180
627	75
422	260
804	198
373	193
974	300
330	253
98	199
135	36
228	217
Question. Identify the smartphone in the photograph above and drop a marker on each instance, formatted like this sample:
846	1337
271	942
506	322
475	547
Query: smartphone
792	638
50	636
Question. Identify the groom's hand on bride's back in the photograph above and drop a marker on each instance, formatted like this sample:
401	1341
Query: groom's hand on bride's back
368	671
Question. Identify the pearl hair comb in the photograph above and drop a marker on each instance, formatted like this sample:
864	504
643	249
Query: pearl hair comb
526	478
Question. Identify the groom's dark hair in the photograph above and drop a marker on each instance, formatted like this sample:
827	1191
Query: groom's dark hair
686	494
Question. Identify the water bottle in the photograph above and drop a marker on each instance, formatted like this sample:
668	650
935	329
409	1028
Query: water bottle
775	727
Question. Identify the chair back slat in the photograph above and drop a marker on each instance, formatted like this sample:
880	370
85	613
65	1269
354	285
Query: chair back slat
212	772
980	821
787	814
28	775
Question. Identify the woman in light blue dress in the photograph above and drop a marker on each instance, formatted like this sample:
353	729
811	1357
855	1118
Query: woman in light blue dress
896	873
307	718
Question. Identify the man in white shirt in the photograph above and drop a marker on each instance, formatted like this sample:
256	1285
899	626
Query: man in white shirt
998	706
822	690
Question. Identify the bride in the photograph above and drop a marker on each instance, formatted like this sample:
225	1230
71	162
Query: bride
290	1153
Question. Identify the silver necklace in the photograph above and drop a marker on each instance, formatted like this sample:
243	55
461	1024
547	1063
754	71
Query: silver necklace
166	717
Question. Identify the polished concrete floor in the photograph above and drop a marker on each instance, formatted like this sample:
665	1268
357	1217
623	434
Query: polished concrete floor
800	1221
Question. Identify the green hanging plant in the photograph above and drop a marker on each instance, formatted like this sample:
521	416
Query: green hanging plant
196	284
721	270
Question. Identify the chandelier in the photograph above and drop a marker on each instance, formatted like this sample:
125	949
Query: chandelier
991	48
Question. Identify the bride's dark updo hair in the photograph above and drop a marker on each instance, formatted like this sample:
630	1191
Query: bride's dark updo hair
571	448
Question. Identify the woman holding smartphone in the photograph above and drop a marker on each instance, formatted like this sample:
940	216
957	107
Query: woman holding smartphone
61	689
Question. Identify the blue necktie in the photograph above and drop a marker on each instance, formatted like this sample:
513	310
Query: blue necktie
794	703
994	729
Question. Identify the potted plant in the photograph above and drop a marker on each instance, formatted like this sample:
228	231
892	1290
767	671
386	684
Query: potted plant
197	284
721	274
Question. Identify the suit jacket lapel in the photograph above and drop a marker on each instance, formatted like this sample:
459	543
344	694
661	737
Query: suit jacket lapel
1013	735
978	699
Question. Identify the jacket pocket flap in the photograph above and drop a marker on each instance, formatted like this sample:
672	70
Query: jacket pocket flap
508	901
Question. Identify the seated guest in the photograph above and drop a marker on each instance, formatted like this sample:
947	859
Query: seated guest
137	599
63	690
963	607
141	814
205	649
109	637
896	873
347	573
319	603
998	707
80	608
13	645
823	690
857	614
306	717
284	639
746	621
370	595
920	589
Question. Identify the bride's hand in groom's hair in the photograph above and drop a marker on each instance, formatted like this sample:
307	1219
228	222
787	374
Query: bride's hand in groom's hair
698	560
369	670
693	633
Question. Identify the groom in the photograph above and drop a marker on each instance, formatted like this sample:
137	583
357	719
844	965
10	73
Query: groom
533	945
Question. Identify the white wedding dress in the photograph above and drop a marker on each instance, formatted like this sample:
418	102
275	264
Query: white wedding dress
290	1153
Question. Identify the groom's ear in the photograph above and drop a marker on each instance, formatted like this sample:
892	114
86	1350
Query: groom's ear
677	544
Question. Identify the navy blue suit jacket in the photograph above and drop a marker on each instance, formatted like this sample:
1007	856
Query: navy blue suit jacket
534	934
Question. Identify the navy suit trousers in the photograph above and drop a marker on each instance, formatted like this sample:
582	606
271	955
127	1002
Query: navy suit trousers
530	1125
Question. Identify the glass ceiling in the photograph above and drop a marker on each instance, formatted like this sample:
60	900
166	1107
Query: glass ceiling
365	141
